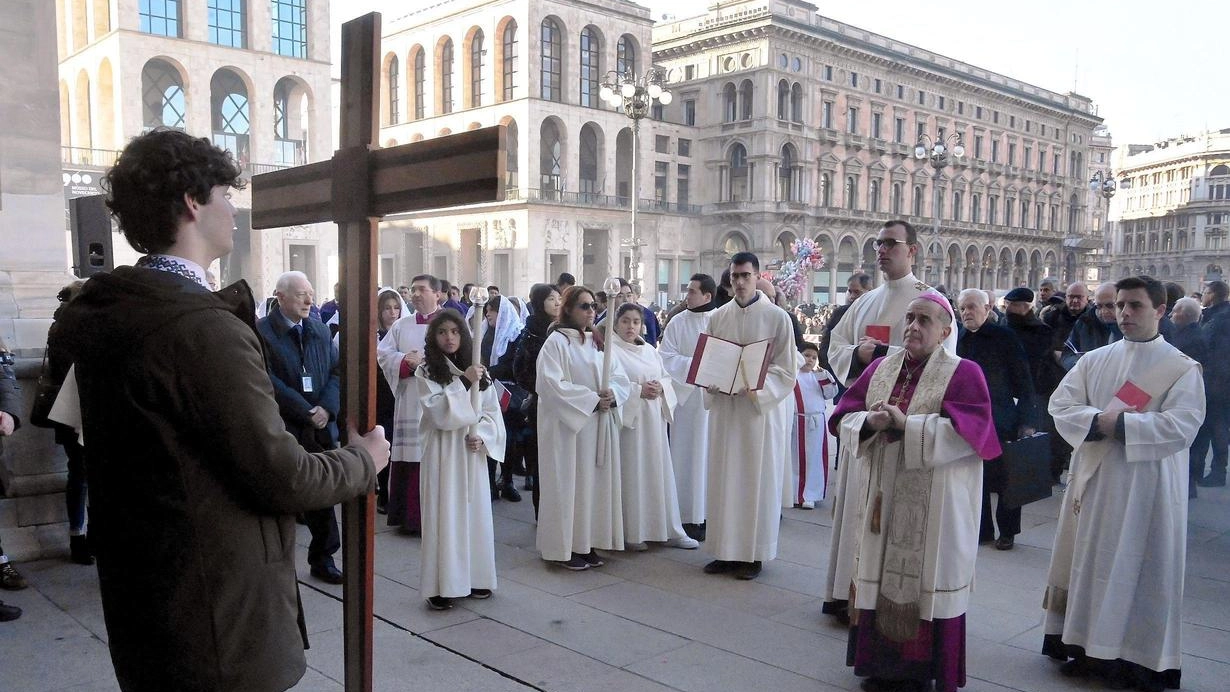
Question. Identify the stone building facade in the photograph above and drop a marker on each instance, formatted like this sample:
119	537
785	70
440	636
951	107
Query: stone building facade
253	75
784	124
1172	222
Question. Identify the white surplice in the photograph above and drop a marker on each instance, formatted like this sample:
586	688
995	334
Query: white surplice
808	436
689	433
747	447
883	305
458	545
404	336
650	503
580	506
1127	547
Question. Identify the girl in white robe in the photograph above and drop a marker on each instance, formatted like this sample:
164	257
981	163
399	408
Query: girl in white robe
650	502
458	545
578	441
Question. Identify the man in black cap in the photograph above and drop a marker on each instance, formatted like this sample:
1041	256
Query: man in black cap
1036	337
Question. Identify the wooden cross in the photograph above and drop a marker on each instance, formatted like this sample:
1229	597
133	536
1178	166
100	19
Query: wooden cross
360	184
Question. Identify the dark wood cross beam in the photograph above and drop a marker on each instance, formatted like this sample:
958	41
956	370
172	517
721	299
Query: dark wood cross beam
355	188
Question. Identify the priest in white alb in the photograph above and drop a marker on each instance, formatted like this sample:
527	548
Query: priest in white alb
747	450
399	354
915	428
1114	592
872	327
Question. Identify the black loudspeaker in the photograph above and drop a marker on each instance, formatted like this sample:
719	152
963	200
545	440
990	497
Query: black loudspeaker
91	230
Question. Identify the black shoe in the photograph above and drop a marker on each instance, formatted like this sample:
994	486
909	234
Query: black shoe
1215	479
591	558
9	613
480	594
509	492
748	570
1076	668
576	563
79	550
327	572
1005	542
10	578
721	567
439	603
382	507
529	483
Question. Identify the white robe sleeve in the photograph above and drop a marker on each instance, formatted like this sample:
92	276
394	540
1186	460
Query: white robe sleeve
852	445
390	357
445	407
779	381
828	388
1154	435
668	400
572	404
842	344
491	425
931	440
1070	406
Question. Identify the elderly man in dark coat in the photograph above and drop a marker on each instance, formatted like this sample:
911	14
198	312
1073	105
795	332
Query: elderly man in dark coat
1187	336
304	369
996	350
193	478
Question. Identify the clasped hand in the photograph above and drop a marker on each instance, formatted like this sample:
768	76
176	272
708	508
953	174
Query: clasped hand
319	416
606	399
651	390
885	416
1108	419
473	443
867	349
475	373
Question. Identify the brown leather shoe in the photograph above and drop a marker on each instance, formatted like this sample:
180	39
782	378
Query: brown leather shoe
10	578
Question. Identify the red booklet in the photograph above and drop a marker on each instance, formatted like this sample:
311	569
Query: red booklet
729	366
879	332
1133	396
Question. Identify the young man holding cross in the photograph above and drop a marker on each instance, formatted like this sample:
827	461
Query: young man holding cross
193	478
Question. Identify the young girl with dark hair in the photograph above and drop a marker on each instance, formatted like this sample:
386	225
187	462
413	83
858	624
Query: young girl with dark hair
458	545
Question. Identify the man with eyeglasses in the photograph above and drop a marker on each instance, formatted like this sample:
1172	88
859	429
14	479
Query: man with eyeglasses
747	450
304	370
873	327
1094	328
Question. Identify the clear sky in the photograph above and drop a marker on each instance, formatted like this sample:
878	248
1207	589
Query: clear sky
1154	69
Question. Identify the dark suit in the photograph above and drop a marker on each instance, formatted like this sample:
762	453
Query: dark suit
289	359
1002	359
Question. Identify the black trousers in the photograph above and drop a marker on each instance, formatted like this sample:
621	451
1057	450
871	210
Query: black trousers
1007	518
326	539
1215	433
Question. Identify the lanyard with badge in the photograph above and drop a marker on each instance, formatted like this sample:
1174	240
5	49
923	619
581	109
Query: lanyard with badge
305	379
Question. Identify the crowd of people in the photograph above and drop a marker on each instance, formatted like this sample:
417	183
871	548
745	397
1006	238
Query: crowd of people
207	427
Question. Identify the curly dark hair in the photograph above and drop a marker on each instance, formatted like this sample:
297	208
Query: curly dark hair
437	361
146	186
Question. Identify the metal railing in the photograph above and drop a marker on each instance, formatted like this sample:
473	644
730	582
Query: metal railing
594	199
85	156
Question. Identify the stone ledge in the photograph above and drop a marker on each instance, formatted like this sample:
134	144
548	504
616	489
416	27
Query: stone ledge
35	542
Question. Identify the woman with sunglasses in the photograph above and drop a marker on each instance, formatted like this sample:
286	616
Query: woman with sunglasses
580	480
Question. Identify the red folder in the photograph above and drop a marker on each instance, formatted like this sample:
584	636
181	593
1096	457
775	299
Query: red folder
1133	396
879	332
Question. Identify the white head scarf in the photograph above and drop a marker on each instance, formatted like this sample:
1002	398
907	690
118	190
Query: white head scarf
508	326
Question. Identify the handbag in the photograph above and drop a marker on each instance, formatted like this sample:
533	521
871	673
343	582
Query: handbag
1027	471
45	395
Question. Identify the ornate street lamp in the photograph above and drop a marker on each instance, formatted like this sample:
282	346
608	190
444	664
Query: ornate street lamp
1104	183
635	95
939	152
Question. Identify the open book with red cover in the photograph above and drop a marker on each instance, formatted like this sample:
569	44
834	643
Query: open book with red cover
728	366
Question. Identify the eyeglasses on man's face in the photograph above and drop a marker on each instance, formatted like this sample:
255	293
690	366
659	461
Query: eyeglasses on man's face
887	243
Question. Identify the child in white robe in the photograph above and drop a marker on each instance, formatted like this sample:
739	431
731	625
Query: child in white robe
458	545
809	435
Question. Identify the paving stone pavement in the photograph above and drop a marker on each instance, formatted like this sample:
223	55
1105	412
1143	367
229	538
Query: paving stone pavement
644	622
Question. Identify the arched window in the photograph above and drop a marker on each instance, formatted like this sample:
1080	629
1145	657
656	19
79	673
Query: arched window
229	113
476	69
734	244
975	208
851	192
444	69
509	59
895	202
1073	212
1220	169
783	100
796	103
162	96
625	55
918	200
957	200
746	93
589	162
826	190
552	45
730	103
550	159
787	175
394	83
226	23
591	48
738	173
83	125
873	195
290	111
420	84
